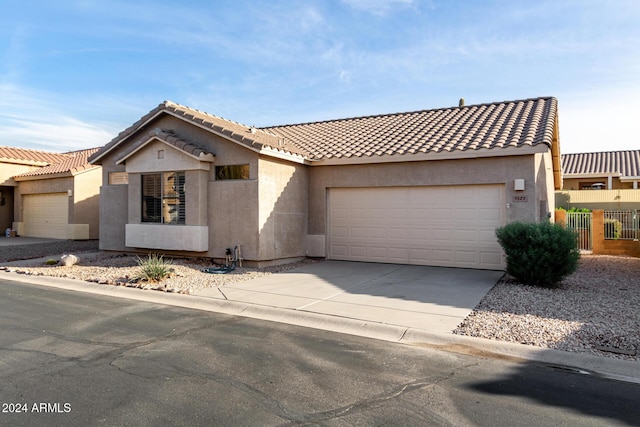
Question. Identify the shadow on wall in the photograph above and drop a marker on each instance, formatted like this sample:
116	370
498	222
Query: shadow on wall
6	208
87	211
284	231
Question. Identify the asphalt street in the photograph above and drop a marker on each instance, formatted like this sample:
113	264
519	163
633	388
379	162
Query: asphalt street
75	359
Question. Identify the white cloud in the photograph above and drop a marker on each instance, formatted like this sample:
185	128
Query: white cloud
54	133
43	121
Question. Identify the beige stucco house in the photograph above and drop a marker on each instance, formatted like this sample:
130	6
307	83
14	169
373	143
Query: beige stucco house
426	187
52	195
600	180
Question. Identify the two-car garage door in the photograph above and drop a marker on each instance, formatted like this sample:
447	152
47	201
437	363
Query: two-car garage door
450	226
46	215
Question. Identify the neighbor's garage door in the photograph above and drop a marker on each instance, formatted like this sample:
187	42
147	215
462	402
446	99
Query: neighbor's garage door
46	215
450	226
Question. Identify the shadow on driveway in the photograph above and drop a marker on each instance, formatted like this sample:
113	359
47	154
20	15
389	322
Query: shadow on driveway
436	299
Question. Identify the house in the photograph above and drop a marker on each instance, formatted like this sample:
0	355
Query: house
51	195
614	174
425	187
609	170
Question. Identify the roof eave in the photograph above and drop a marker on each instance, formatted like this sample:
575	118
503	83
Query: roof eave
592	175
66	174
24	162
442	155
201	157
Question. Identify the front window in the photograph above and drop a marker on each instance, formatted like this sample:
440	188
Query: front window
232	172
163	198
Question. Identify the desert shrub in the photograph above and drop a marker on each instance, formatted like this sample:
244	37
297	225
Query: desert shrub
539	254
612	228
154	268
573	209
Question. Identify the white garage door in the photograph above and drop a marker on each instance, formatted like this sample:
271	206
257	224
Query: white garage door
46	215
451	226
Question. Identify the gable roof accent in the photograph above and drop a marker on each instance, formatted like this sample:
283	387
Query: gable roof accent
72	163
616	163
25	156
169	137
473	128
251	137
528	122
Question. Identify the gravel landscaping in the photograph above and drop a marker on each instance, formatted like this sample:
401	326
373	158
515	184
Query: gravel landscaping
111	268
596	310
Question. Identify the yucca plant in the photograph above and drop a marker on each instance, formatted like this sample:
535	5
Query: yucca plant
154	268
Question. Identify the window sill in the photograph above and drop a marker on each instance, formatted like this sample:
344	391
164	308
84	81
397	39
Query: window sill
175	237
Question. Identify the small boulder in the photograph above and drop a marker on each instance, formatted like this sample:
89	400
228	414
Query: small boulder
69	260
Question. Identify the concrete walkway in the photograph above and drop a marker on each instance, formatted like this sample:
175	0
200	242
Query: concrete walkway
434	299
16	241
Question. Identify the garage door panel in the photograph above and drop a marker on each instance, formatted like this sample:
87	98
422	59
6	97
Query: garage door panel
464	236
443	256
491	258
46	215
448	226
399	233
338	231
377	233
467	257
398	254
486	236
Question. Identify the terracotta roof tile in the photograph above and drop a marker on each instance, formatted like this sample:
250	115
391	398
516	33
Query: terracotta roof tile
495	125
243	134
72	163
526	122
29	157
171	138
625	163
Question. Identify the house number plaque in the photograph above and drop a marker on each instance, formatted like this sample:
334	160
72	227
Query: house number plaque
519	198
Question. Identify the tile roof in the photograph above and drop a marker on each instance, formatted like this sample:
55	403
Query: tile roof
29	157
496	125
528	122
72	163
625	163
249	136
173	139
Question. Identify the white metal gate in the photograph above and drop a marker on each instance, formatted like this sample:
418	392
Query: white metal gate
581	223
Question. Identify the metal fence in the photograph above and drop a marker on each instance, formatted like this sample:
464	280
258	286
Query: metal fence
581	223
622	224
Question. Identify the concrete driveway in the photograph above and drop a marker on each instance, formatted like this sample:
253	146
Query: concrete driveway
435	299
17	241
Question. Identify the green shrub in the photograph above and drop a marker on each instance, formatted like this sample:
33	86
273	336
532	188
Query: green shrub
612	228
574	209
539	254
154	268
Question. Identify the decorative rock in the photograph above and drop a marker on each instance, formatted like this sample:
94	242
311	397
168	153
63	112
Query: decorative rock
69	260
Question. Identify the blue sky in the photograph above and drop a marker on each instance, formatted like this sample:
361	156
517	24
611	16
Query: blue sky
75	73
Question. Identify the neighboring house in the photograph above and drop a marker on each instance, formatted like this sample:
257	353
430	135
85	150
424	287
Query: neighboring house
425	187
613	174
50	194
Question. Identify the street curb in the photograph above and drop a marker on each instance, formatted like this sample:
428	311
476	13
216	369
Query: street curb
616	369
